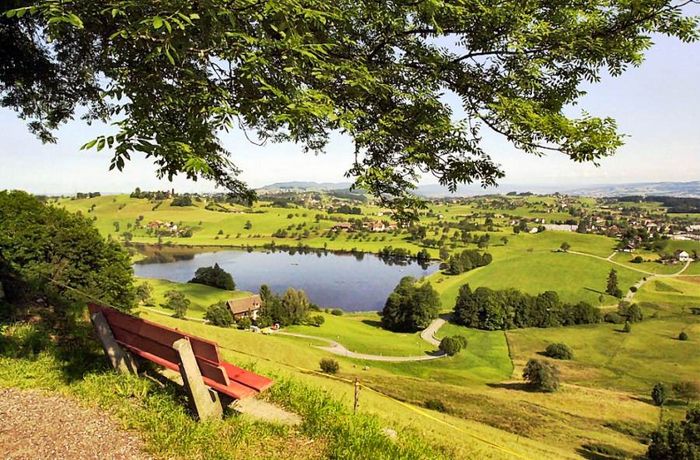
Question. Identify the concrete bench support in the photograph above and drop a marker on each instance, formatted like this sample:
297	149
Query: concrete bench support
121	360
204	400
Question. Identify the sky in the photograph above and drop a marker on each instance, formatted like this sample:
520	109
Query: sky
656	105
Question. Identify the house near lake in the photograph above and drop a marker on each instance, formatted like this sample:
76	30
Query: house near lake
245	307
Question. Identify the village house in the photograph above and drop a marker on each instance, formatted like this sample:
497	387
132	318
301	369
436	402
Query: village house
683	256
343	226
246	307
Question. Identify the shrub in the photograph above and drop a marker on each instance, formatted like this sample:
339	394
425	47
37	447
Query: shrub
435	404
329	366
452	345
542	375
559	351
176	300
637	260
614	318
683	336
659	394
316	320
219	314
245	323
633	289
337	312
215	277
627	327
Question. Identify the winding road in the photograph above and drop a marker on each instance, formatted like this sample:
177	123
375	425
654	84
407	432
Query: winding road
428	334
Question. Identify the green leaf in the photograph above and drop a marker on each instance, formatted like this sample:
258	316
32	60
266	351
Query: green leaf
89	145
157	22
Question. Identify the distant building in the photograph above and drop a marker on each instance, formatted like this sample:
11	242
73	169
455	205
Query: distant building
343	226
246	307
683	256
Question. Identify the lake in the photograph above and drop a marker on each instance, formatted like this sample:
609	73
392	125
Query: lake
353	282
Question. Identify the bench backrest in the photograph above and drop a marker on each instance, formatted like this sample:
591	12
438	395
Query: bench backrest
154	342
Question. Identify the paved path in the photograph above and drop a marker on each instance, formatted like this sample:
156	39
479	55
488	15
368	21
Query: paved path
338	349
428	334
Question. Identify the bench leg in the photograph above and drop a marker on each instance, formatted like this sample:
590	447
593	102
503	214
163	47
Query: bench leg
121	360
205	400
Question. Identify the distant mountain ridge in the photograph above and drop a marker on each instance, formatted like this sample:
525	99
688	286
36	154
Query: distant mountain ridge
306	186
689	189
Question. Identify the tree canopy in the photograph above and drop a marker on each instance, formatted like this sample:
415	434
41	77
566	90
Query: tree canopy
410	306
172	75
47	250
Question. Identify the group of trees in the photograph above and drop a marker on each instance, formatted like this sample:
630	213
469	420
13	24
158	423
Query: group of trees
157	195
411	306
489	309
181	201
49	251
290	308
215	277
677	440
468	259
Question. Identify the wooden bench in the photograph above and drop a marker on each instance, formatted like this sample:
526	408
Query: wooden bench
206	376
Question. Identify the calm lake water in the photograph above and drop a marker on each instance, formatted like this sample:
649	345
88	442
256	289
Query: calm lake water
352	282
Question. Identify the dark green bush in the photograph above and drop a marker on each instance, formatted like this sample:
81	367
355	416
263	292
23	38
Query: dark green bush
559	351
452	345
329	366
337	312
542	375
219	314
436	405
683	336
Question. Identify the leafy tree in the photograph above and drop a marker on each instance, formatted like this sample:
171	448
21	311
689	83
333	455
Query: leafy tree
453	345
297	72
215	277
542	375
659	394
296	305
46	250
181	201
144	293
245	323
219	314
559	351
316	320
565	246
627	328
177	301
687	390
683	336
410	307
677	440
329	366
612	287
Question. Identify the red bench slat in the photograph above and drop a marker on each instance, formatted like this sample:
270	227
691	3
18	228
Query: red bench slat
250	379
154	342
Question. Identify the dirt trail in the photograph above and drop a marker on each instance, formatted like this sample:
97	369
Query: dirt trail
38	425
337	349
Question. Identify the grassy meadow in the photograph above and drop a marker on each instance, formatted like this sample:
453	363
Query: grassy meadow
604	399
